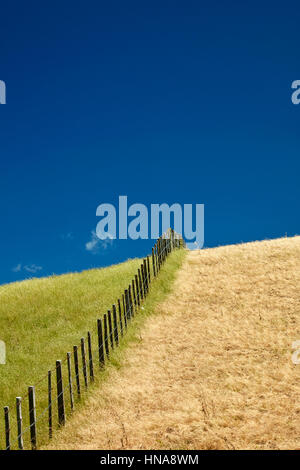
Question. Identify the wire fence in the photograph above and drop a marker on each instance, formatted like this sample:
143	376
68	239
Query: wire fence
73	375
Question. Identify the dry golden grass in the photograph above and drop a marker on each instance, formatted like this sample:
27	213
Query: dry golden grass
213	368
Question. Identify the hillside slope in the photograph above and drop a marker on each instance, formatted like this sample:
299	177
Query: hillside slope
213	369
41	319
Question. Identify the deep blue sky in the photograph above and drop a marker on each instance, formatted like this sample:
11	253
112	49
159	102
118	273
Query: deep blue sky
172	101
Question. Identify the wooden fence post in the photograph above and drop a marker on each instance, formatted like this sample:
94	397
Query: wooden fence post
140	284
145	277
126	305
110	328
134	293
50	404
60	395
83	358
70	380
91	365
143	280
133	298
115	325
76	365
149	275
124	310
19	422
137	290
7	427
131	306
120	317
149	271
153	263
129	303
100	343
106	344
32	417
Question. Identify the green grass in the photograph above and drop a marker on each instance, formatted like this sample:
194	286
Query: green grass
41	319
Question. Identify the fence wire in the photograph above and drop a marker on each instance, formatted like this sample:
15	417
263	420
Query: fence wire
142	287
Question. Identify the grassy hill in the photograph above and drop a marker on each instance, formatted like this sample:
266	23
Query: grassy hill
41	320
213	368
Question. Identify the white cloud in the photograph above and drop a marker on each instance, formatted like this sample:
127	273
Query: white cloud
32	268
17	268
95	245
92	245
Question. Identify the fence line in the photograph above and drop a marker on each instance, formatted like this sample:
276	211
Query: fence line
110	331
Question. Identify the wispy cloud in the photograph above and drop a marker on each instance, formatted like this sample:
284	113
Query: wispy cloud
95	245
92	245
17	269
67	236
30	268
